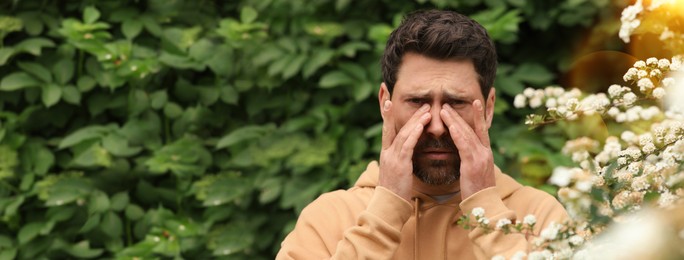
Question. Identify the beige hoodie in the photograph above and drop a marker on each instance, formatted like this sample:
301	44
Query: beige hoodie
369	222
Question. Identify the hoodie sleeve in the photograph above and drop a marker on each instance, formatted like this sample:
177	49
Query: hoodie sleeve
327	229
487	245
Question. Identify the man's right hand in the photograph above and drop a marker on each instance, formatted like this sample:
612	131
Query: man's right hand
396	166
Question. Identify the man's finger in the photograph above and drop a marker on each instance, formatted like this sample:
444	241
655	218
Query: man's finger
480	124
388	131
461	133
419	117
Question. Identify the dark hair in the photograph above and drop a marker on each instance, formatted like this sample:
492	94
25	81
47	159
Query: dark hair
442	35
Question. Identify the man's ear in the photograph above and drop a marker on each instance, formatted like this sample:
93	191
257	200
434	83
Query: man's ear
383	95
489	109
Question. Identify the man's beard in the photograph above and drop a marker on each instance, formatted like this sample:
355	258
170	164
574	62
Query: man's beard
436	172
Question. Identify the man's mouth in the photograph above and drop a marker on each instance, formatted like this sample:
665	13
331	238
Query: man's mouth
437	154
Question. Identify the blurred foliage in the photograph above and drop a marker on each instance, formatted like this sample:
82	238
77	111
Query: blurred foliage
149	129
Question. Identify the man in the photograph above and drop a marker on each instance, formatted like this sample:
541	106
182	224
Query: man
436	163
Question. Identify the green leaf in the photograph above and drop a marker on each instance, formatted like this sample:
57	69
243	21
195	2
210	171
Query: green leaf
8	253
51	94
18	80
86	83
243	134
294	66
94	155
28	232
32	22
33	45
98	203
158	99
184	157
37	70
37	158
5	54
117	145
335	78
229	95
270	190
90	15
201	50
83	134
82	250
248	14
319	59
63	71
131	28
138	101
71	95
120	201
134	212
111	225
92	222
533	73
172	110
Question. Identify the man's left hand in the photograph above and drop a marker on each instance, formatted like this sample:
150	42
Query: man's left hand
477	161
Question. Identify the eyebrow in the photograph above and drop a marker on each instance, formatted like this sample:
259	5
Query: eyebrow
447	96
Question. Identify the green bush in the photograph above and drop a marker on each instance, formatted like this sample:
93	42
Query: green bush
198	129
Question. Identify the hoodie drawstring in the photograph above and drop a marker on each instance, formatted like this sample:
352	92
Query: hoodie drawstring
416	208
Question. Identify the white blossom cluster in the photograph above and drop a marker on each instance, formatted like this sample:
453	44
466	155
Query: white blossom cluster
629	20
650	77
640	164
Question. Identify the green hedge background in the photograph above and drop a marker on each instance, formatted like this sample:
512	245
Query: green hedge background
154	129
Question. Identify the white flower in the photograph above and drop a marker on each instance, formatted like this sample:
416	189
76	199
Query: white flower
667	199
656	73
551	102
499	257
584	186
540	255
478	212
535	102
642	73
613	111
659	93
557	91
529	220
576	240
562	176
676	62
630	75
528	92
668	81
645	84
520	255
640	63
551	231
648	148
483	221
664	64
651	61
519	101
628	136
629	98
502	223
615	90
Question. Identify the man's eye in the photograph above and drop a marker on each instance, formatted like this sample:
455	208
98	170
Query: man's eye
457	102
416	101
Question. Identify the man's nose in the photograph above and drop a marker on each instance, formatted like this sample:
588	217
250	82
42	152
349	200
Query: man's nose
436	126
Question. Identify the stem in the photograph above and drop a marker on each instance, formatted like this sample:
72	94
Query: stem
80	63
129	236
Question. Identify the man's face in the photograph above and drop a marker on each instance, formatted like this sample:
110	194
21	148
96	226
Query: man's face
422	80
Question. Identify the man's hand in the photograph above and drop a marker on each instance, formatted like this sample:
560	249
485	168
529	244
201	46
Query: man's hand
477	161
396	167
